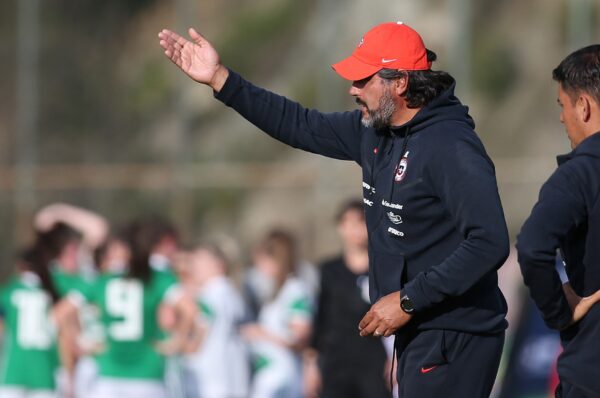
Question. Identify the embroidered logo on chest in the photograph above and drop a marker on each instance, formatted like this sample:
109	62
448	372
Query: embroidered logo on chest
394	218
401	168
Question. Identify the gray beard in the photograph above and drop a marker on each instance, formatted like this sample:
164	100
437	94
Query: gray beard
381	117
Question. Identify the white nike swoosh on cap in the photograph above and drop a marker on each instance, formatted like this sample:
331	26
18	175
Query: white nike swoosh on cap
388	60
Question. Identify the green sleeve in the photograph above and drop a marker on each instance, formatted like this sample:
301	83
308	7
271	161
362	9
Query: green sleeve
5	289
60	282
85	288
161	283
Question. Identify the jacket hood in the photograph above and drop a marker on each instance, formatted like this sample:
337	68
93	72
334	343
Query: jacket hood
442	108
588	147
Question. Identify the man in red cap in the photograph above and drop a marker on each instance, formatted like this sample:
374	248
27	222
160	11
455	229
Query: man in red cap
437	233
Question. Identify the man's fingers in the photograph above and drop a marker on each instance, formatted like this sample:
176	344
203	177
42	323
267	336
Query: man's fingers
174	56
389	332
166	45
165	42
171	42
197	37
365	321
171	36
370	329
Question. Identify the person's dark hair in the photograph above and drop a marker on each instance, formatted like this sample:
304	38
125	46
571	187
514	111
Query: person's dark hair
580	71
47	246
280	245
51	243
35	260
100	252
142	236
423	85
350	205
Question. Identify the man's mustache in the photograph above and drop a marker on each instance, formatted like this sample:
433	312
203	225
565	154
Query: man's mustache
359	102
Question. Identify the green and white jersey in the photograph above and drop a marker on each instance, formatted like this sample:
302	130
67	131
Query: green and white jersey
71	284
29	352
78	290
292	304
128	310
220	367
162	265
278	370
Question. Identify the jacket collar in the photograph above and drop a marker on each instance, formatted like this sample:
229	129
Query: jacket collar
589	146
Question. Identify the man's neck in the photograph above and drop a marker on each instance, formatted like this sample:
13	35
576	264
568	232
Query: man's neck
403	115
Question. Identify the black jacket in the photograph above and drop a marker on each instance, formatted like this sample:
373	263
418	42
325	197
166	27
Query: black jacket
567	217
340	308
435	222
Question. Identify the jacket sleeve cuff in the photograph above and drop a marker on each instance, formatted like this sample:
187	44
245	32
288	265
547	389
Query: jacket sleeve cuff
230	88
561	322
560	316
417	296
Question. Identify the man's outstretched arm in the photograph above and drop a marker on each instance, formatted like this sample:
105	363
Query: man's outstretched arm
336	135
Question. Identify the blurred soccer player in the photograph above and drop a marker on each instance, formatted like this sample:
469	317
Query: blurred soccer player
32	324
66	237
284	321
220	368
132	361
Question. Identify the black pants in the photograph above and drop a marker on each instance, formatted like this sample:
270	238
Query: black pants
449	364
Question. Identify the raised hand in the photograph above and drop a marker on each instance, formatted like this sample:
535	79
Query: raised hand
197	58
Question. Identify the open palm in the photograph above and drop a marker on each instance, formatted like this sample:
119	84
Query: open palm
197	58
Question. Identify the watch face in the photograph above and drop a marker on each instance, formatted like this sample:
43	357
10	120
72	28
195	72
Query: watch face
406	304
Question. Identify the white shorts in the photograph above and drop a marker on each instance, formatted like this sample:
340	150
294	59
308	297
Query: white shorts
127	388
274	384
86	376
18	392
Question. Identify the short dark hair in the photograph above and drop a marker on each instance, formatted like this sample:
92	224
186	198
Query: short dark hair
580	71
423	85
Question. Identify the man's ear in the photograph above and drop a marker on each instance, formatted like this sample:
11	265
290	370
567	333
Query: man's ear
402	85
584	105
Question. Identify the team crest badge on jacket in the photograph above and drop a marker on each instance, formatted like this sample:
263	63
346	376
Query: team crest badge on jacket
401	168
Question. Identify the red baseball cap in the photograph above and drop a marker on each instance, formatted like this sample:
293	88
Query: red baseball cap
392	45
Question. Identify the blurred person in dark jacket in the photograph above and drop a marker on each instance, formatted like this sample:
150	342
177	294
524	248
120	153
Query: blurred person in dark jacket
350	365
567	217
437	233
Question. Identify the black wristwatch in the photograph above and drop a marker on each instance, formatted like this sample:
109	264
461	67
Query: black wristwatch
406	305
